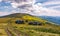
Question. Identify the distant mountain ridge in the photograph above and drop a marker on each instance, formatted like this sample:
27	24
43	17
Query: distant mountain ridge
53	19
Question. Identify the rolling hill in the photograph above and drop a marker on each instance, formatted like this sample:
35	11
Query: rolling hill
16	15
45	29
22	16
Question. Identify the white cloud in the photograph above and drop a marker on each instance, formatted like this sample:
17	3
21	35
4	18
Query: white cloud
39	10
54	7
4	13
30	7
7	13
51	3
0	0
15	4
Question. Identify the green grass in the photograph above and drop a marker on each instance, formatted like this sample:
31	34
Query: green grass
2	30
36	30
12	33
46	29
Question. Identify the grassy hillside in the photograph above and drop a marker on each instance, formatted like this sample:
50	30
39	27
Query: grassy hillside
20	16
45	29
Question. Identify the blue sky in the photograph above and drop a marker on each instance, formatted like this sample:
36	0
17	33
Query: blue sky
41	8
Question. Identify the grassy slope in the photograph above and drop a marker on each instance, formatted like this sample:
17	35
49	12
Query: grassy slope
47	29
2	30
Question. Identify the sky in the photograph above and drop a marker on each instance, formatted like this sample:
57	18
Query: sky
32	7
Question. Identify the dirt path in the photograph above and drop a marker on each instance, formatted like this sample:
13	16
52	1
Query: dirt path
8	32
16	32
